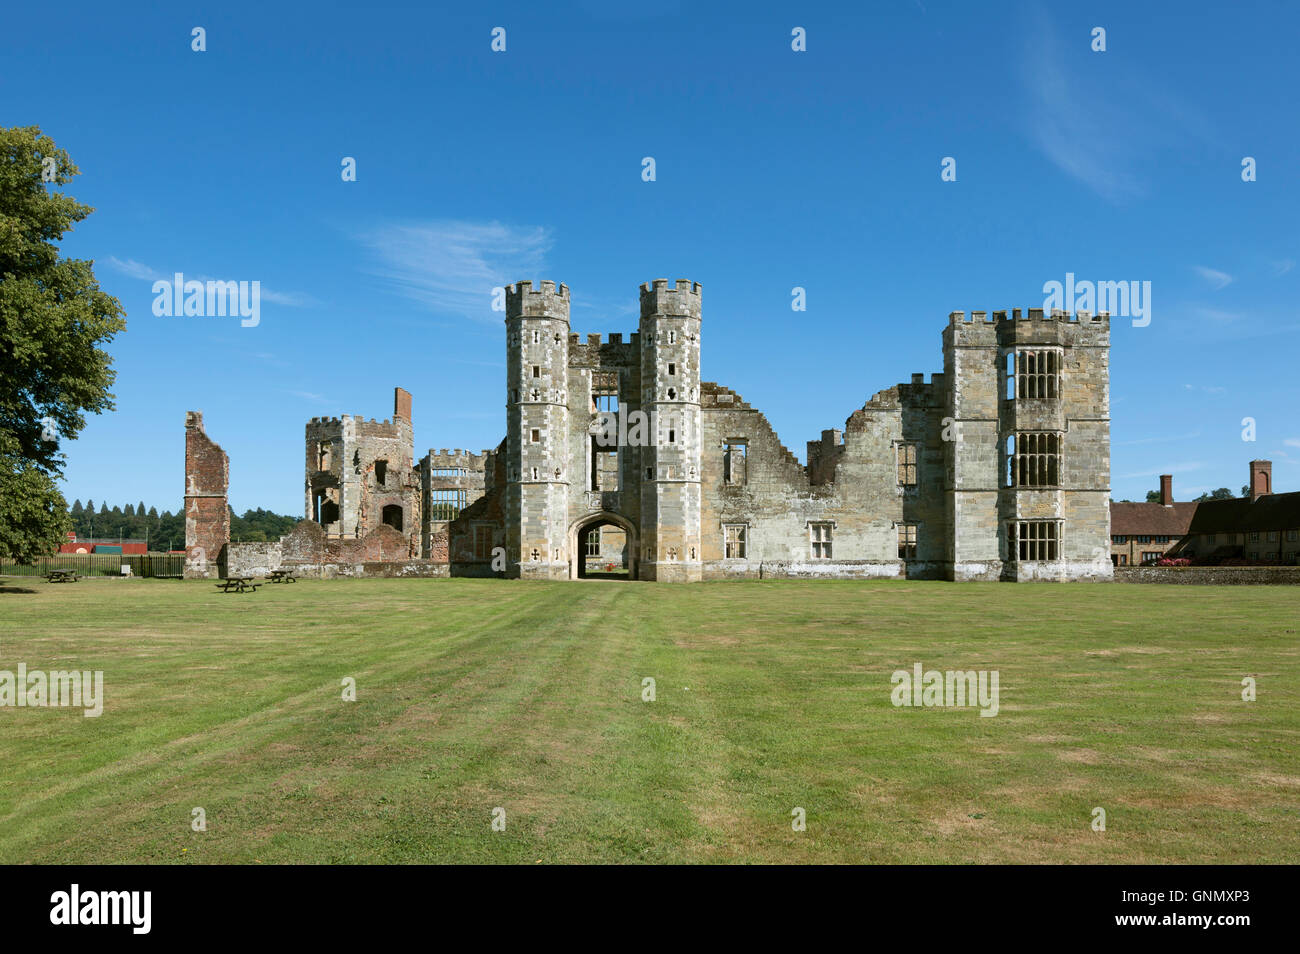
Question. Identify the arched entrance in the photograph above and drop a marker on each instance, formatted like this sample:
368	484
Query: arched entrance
580	533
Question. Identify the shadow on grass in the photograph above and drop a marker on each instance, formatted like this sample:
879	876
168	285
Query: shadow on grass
15	589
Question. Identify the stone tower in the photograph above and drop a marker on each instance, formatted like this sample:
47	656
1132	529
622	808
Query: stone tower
537	431
670	395
1028	459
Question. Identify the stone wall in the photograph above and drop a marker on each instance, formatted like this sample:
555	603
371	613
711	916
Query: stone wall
1210	575
250	559
307	543
803	570
307	551
468	541
852	485
394	569
453	470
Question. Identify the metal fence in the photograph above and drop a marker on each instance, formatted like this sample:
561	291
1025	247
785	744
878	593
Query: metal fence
101	564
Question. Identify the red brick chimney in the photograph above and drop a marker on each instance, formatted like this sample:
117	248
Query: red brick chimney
402	404
1261	479
1167	489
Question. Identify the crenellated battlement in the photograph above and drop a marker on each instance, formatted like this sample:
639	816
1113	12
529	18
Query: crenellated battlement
545	301
597	340
456	456
1026	314
661	299
1026	327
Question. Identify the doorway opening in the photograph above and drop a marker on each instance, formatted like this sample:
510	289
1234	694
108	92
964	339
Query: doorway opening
603	547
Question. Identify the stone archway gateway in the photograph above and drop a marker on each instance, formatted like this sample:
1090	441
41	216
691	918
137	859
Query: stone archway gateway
578	531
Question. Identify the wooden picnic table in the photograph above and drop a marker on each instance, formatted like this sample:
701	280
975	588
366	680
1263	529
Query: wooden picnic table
239	584
61	576
281	576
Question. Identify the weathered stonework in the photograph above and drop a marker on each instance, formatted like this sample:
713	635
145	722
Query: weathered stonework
450	481
713	494
1210	575
251	559
998	468
361	474
207	513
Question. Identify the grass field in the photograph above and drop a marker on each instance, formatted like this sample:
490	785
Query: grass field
474	695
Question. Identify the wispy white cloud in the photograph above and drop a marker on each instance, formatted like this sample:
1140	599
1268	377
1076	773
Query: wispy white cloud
1056	115
133	269
1217	314
1216	278
1182	468
453	266
1281	267
1292	441
1159	440
1099	126
288	299
1207	388
245	354
311	396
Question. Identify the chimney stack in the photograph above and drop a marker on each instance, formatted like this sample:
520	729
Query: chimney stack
1167	489
401	404
1261	479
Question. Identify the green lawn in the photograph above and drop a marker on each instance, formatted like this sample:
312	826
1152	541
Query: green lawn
474	695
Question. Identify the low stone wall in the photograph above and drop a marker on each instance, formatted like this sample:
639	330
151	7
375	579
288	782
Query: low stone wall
796	570
1030	571
1210	575
333	571
250	559
306	553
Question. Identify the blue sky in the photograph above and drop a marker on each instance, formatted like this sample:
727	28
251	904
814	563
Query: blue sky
775	169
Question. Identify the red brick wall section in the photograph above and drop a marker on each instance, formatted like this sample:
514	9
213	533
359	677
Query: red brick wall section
381	545
306	544
438	546
207	514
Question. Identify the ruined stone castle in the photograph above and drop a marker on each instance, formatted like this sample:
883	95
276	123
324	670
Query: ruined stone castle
618	456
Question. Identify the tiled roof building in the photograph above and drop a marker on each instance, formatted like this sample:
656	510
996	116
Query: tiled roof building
1261	528
1140	532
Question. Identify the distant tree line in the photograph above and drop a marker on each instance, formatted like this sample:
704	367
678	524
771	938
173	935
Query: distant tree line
1223	493
166	530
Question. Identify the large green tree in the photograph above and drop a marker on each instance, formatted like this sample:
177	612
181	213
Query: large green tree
53	319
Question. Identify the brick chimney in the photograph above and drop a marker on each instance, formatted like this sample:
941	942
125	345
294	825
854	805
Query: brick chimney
1261	479
1167	489
402	403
